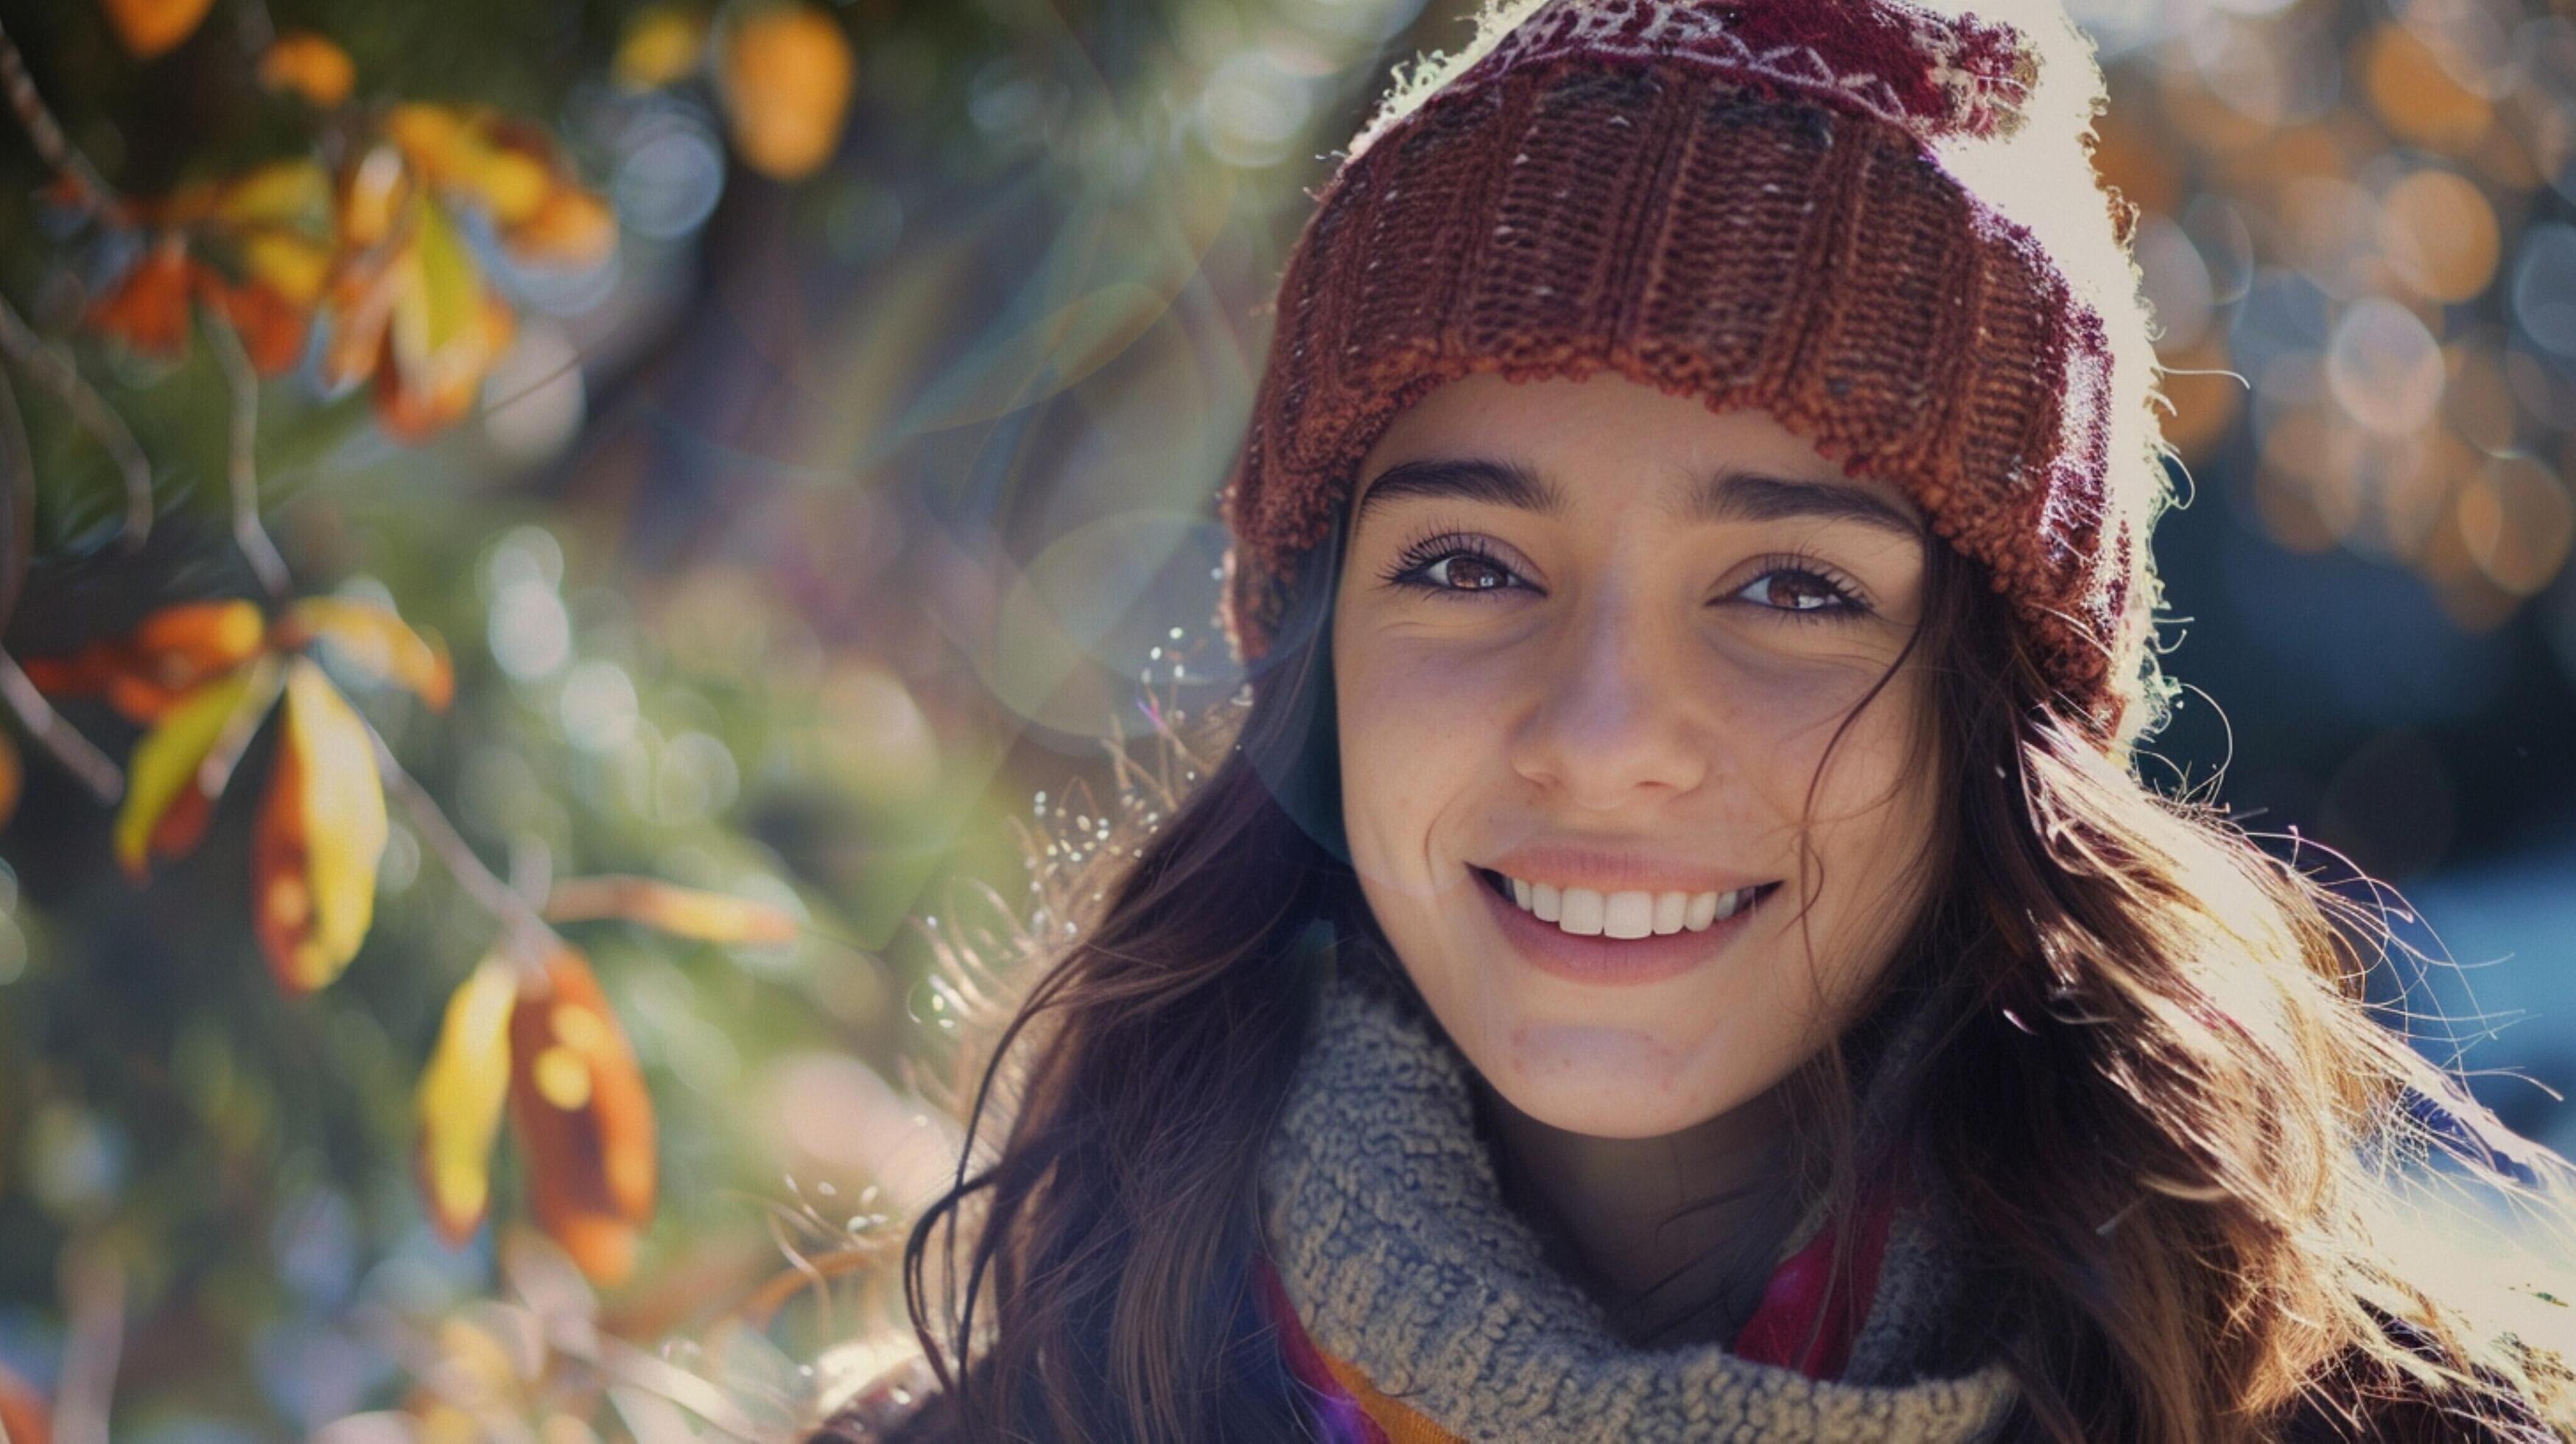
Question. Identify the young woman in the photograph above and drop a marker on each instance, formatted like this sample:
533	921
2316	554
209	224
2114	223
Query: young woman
1677	945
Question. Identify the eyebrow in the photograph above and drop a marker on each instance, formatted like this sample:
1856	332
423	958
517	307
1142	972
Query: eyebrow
1724	496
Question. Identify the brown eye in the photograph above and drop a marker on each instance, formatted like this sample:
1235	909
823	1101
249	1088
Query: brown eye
1453	566
1798	593
1467	572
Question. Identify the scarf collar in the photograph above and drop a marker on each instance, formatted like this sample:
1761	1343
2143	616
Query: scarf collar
1394	1262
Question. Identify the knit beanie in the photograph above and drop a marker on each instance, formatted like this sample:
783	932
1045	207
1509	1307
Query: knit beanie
1877	223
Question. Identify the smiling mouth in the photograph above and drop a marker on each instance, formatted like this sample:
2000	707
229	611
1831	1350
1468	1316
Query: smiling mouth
1583	912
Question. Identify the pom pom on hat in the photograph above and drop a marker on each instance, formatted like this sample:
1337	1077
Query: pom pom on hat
1931	74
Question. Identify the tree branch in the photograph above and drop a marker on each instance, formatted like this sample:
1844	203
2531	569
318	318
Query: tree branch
53	147
77	754
243	462
530	938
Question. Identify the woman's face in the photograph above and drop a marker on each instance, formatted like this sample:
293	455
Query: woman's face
1595	638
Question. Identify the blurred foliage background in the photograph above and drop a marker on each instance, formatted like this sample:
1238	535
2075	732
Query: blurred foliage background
551	541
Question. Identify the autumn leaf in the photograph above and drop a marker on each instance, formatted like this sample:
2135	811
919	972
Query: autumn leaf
144	673
166	803
788	73
149	28
319	836
500	170
661	44
583	1119
147	307
306	64
571	228
373	639
13	779
25	1417
462	1093
416	316
687	912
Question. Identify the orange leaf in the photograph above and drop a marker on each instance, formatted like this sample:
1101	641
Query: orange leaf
375	640
147	308
583	1119
788	73
13	779
416	401
151	27
272	328
713	917
462	1092
319	836
310	66
24	1414
571	227
200	636
146	671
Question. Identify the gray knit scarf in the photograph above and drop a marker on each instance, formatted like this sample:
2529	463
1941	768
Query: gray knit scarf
1391	1236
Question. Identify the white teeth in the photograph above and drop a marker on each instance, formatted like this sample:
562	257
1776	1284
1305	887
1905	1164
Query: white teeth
1703	911
1628	915
1582	912
1670	909
1587	912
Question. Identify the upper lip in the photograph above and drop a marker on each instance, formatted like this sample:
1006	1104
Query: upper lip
1610	870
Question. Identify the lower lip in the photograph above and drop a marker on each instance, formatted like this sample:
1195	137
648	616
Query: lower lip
1606	959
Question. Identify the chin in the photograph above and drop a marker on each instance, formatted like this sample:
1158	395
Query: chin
1604	1080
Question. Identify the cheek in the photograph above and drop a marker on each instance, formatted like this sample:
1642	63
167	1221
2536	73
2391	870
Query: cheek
1419	743
1875	816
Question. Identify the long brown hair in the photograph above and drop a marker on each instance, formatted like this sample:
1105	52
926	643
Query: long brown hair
2185	1147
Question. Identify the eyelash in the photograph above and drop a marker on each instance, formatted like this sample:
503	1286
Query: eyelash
1421	556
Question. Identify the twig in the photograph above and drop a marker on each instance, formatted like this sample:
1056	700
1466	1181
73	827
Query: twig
94	1299
20	343
52	146
532	938
243	460
78	755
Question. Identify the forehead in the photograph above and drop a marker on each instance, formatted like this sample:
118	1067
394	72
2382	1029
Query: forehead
1612	439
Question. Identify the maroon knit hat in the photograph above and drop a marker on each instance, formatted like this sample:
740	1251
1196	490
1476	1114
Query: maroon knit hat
1749	203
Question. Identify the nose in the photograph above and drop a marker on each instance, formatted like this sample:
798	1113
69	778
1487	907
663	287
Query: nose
1613	724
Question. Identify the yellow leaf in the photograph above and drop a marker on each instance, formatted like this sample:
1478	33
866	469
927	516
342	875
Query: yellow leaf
291	193
713	917
450	288
661	44
462	1092
788	73
151	27
165	762
310	66
292	266
375	640
320	834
